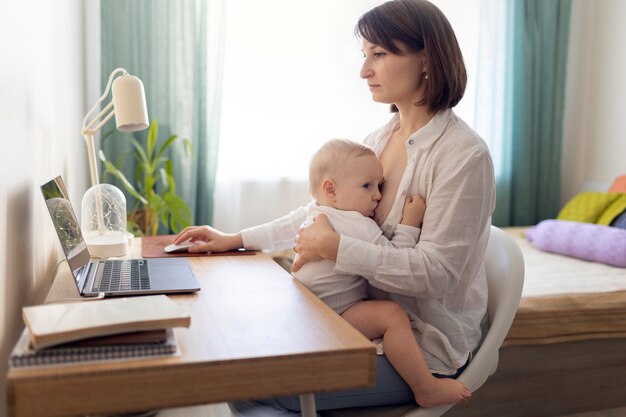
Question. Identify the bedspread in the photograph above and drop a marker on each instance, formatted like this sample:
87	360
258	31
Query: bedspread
567	299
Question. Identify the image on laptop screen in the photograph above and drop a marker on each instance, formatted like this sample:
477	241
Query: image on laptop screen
65	223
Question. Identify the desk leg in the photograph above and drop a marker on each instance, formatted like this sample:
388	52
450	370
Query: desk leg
307	405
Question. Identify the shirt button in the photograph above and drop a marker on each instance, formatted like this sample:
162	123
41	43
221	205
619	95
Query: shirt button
411	141
403	193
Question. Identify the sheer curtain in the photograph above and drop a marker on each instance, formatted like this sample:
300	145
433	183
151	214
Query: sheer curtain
176	47
291	83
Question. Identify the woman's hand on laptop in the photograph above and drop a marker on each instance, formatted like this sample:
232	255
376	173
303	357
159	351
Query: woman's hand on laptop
214	240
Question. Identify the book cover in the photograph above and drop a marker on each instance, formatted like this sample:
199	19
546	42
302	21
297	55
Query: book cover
24	354
53	324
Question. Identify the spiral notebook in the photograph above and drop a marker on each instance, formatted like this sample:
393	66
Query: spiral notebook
24	354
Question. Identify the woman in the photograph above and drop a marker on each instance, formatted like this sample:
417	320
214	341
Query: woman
413	62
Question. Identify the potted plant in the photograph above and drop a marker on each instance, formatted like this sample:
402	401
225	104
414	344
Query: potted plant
153	188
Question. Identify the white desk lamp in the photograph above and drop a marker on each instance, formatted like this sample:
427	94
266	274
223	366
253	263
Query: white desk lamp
104	205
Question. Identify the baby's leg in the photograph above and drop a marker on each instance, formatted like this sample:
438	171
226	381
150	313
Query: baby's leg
380	318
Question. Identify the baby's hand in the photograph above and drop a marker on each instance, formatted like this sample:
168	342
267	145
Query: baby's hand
413	211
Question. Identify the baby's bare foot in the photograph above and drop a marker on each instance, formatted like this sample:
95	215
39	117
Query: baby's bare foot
442	391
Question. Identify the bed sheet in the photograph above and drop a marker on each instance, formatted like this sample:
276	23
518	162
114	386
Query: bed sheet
566	299
552	274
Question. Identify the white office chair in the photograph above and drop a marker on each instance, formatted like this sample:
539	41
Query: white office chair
504	266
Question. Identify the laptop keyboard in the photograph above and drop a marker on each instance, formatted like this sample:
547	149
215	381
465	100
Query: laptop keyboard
123	275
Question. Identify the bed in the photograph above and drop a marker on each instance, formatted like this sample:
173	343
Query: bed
566	350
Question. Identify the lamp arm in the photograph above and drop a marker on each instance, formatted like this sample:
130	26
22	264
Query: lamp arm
106	92
93	169
89	132
103	122
93	130
90	128
91	157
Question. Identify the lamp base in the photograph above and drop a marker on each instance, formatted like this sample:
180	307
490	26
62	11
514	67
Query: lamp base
106	245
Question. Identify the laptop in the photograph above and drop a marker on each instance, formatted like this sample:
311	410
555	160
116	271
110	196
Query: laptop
111	277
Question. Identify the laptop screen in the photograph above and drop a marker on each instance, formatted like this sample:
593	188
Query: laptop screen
66	224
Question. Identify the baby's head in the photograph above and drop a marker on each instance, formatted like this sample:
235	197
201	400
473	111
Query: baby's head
346	175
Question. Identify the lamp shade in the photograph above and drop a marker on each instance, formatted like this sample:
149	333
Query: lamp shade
129	101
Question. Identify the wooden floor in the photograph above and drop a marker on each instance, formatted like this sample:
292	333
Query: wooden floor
222	410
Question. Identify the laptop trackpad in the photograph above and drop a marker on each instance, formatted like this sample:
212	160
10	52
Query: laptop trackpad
166	275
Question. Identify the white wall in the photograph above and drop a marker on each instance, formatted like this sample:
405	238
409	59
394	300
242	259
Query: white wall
594	148
41	107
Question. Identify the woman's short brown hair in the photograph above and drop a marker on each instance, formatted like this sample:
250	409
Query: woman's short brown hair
419	25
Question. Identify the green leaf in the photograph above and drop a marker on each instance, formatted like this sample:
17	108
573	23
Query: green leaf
141	156
169	168
180	215
165	145
113	170
165	180
169	176
134	228
152	137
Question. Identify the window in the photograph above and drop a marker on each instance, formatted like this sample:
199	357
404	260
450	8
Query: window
291	82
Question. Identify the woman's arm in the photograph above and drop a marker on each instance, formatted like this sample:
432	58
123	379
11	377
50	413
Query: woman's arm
277	234
315	242
320	241
216	241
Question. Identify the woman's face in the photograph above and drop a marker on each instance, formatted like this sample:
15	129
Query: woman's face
393	79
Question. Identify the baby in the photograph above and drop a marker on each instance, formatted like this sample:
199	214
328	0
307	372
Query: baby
345	179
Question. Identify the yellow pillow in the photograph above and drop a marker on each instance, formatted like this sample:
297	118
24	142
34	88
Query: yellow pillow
587	207
616	208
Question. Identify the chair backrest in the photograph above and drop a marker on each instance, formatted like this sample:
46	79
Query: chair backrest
504	266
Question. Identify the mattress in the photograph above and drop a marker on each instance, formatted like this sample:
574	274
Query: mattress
567	299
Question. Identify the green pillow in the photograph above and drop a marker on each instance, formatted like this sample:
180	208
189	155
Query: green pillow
587	207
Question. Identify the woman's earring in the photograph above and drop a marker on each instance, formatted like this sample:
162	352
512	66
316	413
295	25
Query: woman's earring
425	76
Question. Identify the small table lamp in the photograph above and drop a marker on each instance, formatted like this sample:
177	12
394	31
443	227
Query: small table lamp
104	206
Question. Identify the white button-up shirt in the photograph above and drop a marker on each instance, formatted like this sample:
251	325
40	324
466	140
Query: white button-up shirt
441	281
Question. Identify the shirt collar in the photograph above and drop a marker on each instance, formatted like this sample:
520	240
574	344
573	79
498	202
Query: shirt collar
425	136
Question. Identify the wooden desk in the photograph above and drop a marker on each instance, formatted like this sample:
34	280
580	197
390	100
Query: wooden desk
255	333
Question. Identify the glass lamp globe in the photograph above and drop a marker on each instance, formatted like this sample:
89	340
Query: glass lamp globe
104	221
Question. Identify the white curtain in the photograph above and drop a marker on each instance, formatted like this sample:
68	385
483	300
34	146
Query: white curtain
291	82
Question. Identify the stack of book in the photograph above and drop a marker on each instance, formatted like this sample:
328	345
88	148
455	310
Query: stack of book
109	329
